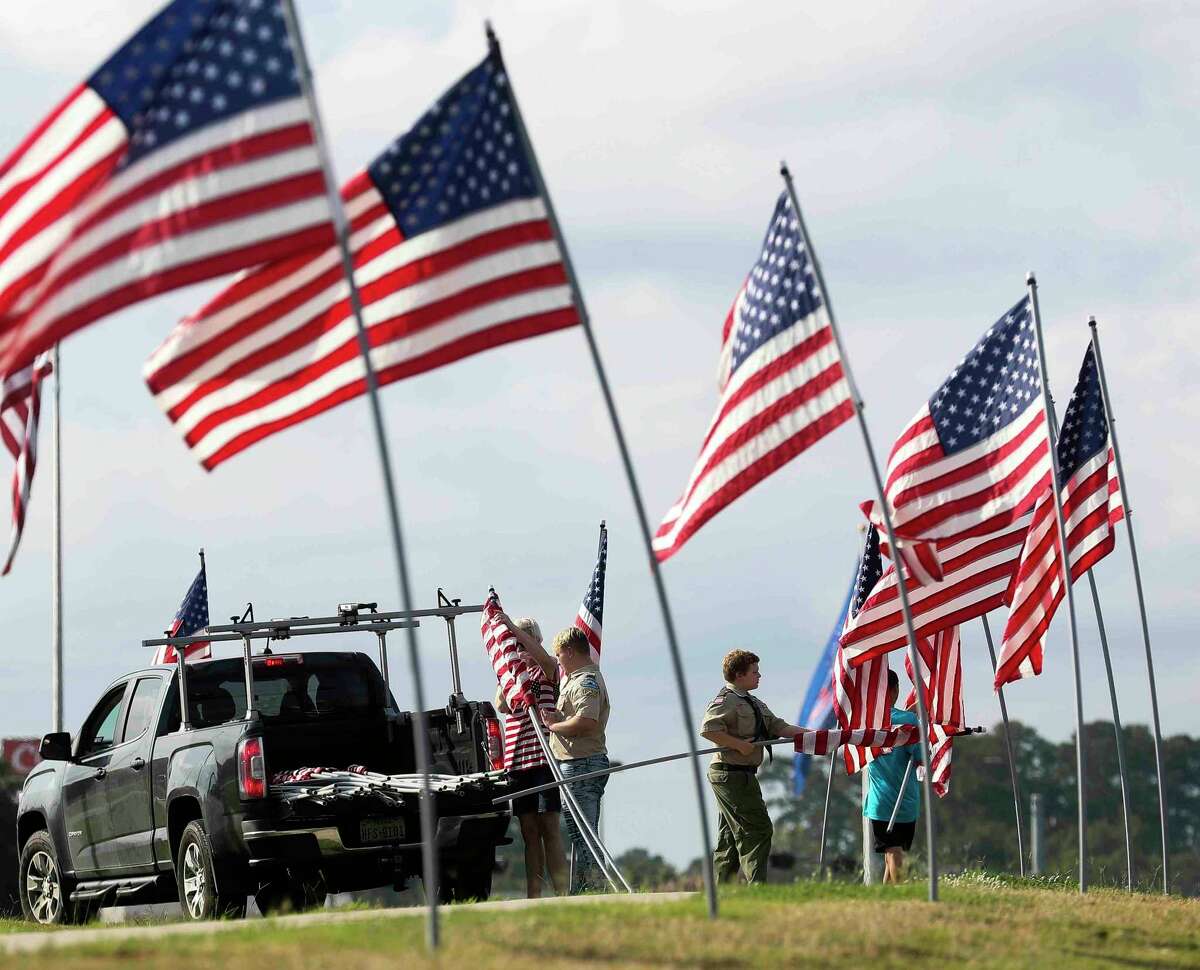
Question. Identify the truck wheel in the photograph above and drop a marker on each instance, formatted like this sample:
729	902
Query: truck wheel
198	894
290	895
467	878
45	897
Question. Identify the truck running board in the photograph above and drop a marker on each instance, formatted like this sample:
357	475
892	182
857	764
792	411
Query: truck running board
121	888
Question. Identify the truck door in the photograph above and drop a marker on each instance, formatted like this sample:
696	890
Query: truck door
127	785
85	808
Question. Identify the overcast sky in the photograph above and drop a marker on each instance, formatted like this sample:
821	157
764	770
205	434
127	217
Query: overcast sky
938	157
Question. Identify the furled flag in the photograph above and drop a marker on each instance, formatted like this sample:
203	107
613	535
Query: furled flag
817	709
191	618
860	693
518	674
977	455
20	405
189	154
1092	505
941	672
976	574
454	253
874	739
590	618
781	383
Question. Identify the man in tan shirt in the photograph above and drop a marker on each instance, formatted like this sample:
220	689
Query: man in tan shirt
577	742
734	720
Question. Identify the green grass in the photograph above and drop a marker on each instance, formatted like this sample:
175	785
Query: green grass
982	921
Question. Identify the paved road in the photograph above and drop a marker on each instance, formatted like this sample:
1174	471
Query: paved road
55	939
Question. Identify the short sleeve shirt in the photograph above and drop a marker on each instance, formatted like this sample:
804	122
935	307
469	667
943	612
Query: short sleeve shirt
582	692
885	775
732	712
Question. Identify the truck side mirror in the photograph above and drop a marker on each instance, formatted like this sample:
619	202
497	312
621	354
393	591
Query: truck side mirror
56	746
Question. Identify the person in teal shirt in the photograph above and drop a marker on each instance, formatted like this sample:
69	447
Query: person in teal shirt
885	776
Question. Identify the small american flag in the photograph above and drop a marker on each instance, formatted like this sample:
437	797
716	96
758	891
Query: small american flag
977	455
941	672
454	254
781	382
860	693
590	618
20	406
189	154
1092	505
190	619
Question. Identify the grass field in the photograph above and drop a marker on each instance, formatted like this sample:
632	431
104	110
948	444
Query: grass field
980	922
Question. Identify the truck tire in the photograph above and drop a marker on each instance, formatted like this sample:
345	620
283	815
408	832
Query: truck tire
467	878
45	895
198	895
290	895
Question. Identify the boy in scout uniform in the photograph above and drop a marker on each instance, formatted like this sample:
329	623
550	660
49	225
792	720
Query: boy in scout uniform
577	742
733	720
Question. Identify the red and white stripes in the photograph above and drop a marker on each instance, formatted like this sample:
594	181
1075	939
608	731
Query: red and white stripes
824	742
20	406
518	674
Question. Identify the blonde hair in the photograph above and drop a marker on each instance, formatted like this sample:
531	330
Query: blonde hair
530	626
573	639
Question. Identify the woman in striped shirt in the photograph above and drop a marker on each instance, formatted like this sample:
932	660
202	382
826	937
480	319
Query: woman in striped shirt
537	814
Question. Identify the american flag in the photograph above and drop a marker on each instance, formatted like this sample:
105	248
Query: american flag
453	252
191	618
941	672
189	154
20	406
518	674
1091	506
591	612
976	575
977	455
860	693
521	748
781	382
824	742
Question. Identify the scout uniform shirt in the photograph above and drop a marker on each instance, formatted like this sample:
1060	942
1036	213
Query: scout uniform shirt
583	692
736	712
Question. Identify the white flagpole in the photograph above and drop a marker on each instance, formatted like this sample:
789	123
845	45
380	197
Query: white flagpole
1056	484
685	707
1137	582
428	820
901	585
56	573
1012	761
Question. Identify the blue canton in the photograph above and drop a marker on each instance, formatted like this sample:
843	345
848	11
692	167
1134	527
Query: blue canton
193	611
195	63
1085	425
463	156
593	599
870	568
781	290
992	386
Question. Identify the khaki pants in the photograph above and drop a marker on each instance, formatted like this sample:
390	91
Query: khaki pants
744	829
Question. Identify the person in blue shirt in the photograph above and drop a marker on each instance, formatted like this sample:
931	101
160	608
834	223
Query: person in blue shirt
886	775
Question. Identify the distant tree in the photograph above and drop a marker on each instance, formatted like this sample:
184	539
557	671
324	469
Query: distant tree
645	871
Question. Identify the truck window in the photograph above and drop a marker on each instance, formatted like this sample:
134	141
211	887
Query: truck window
142	704
100	729
287	693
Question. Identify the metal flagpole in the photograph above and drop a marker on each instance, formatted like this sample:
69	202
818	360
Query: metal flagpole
901	585
1112	693
1012	761
56	572
689	725
825	815
428	821
900	795
1052	432
1137	582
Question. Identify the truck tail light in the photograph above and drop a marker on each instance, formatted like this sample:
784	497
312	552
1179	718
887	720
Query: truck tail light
495	743
252	768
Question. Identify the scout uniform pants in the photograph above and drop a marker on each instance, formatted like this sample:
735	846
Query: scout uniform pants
744	829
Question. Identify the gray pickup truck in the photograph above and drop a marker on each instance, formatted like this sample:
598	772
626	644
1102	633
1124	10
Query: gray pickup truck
147	805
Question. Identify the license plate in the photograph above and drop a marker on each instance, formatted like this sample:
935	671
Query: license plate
381	830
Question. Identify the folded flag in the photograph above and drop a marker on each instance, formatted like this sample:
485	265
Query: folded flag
1092	505
781	383
187	155
518	674
453	251
590	618
190	619
20	407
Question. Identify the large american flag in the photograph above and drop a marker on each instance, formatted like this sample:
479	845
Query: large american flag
781	382
977	455
590	618
190	618
940	659
860	693
1091	506
20	407
453	254
189	154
